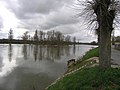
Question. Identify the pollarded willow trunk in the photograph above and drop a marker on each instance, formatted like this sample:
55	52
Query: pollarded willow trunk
98	35
105	49
105	11
105	19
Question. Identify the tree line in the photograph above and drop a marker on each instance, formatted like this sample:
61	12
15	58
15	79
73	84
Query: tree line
50	37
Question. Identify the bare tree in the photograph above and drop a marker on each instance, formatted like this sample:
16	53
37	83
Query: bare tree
58	36
101	15
10	35
67	38
41	35
74	40
36	36
25	36
49	33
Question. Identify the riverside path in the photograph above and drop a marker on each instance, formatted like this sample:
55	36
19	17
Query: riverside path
115	55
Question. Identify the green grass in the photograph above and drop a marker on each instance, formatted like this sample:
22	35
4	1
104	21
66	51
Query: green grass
91	53
82	61
90	79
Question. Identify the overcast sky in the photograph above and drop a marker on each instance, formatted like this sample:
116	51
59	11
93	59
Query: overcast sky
29	15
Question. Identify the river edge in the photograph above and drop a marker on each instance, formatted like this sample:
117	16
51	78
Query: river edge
87	63
86	60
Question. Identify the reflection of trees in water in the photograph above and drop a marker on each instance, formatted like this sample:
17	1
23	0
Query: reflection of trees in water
35	52
40	56
29	49
10	52
40	52
74	49
56	52
25	51
53	52
67	50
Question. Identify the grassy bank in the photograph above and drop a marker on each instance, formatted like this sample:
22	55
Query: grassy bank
91	53
91	78
83	60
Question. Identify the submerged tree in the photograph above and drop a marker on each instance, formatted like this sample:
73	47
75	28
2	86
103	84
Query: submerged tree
101	15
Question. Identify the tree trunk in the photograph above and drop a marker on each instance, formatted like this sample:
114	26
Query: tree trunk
105	48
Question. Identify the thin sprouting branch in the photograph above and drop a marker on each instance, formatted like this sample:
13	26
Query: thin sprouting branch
89	11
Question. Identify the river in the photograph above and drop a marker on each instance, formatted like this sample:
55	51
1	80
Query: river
34	67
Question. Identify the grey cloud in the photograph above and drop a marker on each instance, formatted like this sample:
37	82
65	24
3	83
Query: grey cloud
82	36
31	12
87	39
1	22
46	15
3	35
63	16
24	8
68	29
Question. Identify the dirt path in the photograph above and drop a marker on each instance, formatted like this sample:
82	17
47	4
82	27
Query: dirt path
115	55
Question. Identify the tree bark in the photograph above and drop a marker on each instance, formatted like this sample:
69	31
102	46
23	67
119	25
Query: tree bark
105	48
105	19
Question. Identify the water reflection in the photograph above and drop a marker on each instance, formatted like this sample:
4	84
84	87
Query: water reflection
26	67
41	52
10	52
74	49
24	51
35	52
8	63
45	52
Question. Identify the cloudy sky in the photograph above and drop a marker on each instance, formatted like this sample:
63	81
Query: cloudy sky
29	15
